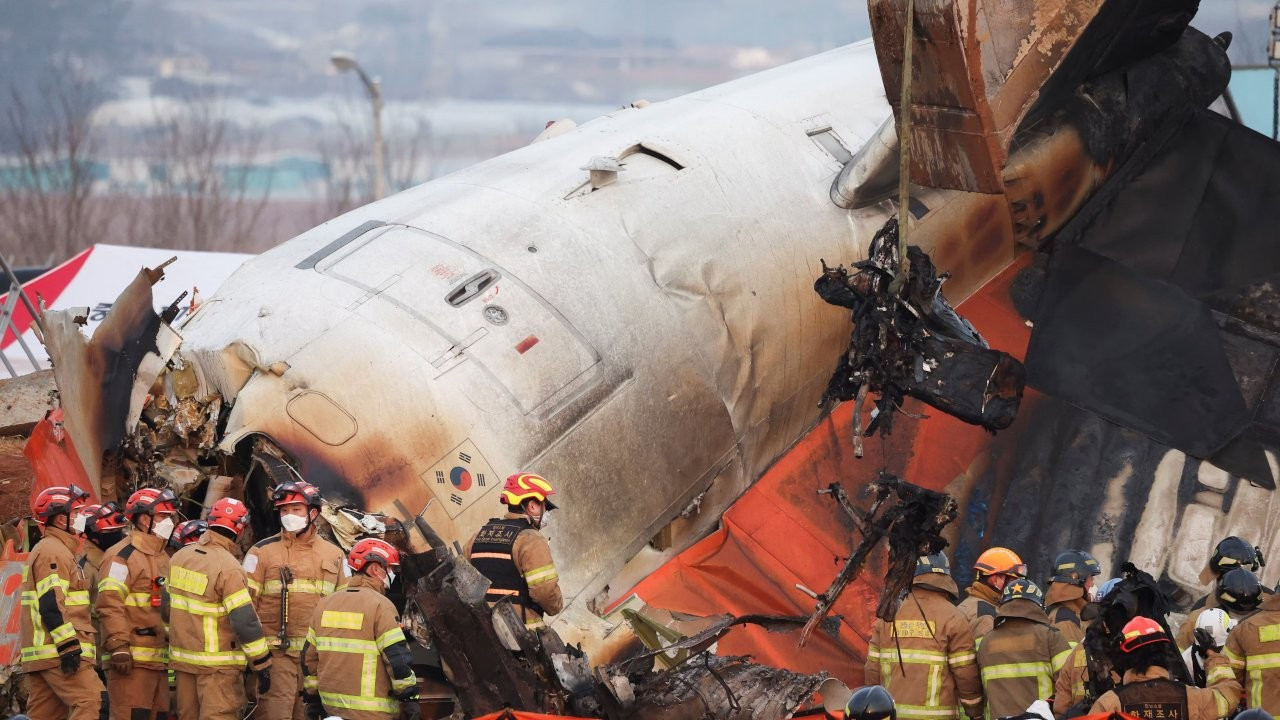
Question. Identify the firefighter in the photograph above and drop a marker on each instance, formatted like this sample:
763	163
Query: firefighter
872	702
356	660
57	633
994	569
103	527
514	556
926	655
1023	654
1212	628
213	629
1148	692
186	533
1239	592
1071	688
288	574
135	639
1230	553
1069	591
1253	652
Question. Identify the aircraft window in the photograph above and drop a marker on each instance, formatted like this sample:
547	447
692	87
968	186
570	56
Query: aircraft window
471	287
917	208
827	140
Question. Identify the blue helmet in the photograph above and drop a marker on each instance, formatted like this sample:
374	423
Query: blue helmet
935	563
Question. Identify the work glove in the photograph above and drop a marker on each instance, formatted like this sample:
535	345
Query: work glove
312	706
69	656
410	706
1212	628
264	682
122	662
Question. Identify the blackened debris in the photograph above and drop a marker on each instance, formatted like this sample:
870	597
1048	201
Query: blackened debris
914	343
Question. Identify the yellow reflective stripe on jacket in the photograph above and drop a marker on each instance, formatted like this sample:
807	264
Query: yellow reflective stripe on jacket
182	603
962	659
77	598
1254	666
930	712
358	702
491	556
209	659
110	584
149	654
41	652
401	683
540	575
368	665
1220	673
51	580
312	587
1060	660
1041	671
239	598
339	620
141	599
255	648
389	638
1236	661
254	585
64	632
188	580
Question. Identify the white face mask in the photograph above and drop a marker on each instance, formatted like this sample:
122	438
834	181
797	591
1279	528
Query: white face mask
390	578
164	528
293	523
77	523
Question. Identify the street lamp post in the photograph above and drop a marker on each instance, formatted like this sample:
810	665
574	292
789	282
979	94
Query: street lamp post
343	61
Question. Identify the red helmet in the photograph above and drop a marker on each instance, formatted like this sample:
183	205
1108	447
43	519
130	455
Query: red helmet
104	518
526	486
229	513
1139	632
57	500
149	501
296	492
373	550
187	533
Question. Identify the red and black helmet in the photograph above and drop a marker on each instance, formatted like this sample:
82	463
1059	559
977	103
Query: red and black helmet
104	518
58	500
373	550
296	492
229	513
187	533
1140	632
149	501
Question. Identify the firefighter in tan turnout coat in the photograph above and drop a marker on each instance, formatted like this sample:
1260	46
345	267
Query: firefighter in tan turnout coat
213	630
288	574
356	661
57	633
925	657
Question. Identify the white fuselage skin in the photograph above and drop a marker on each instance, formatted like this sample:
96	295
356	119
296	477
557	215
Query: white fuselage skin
673	346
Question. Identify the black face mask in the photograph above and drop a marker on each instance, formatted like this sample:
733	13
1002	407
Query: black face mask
105	540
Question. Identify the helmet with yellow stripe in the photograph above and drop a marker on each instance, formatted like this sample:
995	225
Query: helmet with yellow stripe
373	550
526	486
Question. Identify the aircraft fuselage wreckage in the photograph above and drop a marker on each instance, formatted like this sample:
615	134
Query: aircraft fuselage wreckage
629	308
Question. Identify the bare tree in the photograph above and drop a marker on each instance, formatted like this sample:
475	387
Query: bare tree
348	156
47	210
208	190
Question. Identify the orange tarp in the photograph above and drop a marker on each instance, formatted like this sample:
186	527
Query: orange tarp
782	532
53	456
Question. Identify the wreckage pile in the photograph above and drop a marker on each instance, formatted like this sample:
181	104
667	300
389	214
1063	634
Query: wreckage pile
910	342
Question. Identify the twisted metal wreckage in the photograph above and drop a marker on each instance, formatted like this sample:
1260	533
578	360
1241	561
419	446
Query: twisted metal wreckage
597	330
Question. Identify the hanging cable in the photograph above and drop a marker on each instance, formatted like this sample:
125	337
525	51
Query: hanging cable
904	150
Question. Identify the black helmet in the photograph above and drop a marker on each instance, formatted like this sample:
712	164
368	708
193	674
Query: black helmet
1239	590
871	703
1022	589
1233	552
1254	714
1074	567
935	563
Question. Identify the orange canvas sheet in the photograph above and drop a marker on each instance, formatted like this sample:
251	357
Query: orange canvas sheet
782	531
53	457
